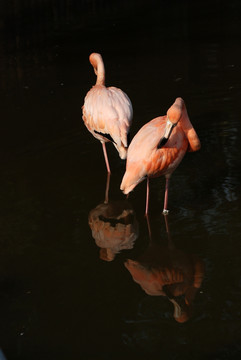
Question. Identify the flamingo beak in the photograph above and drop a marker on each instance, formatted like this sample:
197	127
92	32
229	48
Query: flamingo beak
167	133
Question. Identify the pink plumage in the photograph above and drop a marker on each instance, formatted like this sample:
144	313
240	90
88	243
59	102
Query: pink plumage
158	148
107	112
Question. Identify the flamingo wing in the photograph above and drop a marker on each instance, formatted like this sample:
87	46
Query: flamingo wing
145	159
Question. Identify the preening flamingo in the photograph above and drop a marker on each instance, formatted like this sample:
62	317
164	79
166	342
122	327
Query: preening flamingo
158	148
164	270
114	226
107	112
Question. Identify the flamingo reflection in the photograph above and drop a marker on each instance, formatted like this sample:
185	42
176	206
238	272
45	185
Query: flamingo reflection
114	226
168	271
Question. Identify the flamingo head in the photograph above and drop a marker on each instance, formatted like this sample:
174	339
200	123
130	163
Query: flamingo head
95	59
99	69
181	314
174	114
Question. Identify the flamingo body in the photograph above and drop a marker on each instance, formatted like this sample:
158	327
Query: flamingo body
167	271
107	111
106	114
147	159
172	273
114	228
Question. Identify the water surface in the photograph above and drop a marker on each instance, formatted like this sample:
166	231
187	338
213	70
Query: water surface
60	297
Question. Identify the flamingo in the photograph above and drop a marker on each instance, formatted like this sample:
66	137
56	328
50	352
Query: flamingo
158	148
113	225
114	228
164	270
107	112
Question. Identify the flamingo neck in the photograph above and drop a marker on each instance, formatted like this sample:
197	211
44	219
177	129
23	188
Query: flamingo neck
100	73
194	142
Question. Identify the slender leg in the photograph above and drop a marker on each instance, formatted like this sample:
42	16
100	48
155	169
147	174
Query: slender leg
106	157
107	188
147	196
167	225
170	242
149	226
165	211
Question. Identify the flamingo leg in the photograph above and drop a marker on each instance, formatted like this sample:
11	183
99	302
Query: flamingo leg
165	211
148	226
106	157
107	188
170	242
147	196
167	225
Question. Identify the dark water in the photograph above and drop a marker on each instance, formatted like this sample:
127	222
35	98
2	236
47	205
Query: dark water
59	297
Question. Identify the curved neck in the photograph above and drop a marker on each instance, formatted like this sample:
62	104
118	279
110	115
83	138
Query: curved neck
100	72
194	142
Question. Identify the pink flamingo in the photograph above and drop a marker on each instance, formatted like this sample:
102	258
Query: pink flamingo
107	112
158	148
164	270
